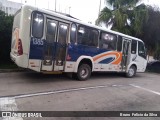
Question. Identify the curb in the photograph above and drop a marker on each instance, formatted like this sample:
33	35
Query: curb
11	70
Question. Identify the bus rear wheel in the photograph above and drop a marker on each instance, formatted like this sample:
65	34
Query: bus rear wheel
84	72
131	72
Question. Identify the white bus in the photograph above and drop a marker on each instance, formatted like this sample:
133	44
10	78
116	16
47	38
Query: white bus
49	42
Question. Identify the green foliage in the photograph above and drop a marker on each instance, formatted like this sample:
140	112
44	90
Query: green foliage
151	31
157	53
125	16
140	21
5	37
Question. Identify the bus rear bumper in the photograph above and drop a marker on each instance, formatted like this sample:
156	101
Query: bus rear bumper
13	57
18	60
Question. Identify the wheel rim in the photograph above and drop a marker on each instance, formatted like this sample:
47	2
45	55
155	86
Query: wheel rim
131	71
84	73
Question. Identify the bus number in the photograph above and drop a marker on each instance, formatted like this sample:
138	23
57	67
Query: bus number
37	41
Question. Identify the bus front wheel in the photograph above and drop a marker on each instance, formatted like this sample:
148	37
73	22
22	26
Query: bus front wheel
131	72
84	72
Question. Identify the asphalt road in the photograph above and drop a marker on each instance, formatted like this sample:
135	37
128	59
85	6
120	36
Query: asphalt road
26	91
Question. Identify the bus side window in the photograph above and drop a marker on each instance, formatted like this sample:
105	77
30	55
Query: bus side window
119	44
37	25
51	31
134	47
82	35
141	50
73	33
93	38
108	41
87	36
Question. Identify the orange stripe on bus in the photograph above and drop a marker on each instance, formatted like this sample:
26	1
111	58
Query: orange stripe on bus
103	55
118	57
117	61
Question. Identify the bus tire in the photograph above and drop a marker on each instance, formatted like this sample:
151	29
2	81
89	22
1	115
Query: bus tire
84	72
131	72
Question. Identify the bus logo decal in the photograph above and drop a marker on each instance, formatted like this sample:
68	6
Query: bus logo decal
107	55
15	38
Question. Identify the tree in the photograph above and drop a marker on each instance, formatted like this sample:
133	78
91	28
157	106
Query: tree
125	16
156	54
5	37
151	31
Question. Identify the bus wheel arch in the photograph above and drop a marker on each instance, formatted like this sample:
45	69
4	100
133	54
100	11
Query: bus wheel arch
84	70
131	71
86	61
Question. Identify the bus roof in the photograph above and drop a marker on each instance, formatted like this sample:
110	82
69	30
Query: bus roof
75	20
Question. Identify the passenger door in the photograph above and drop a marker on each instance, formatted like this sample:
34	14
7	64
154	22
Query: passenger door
126	53
55	46
61	46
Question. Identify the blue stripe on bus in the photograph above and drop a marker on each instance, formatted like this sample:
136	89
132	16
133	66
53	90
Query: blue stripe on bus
74	51
36	51
107	61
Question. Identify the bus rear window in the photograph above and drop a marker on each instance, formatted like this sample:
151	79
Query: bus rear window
37	25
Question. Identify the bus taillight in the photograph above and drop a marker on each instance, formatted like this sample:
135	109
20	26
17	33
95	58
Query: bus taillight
20	48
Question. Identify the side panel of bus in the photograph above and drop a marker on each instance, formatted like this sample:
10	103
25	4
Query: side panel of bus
102	53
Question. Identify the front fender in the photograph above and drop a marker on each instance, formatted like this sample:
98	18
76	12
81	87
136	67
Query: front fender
132	63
